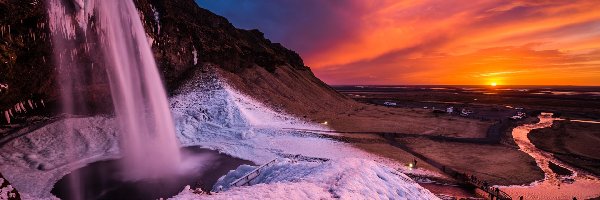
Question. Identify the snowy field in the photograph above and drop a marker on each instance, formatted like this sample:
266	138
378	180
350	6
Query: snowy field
348	178
213	115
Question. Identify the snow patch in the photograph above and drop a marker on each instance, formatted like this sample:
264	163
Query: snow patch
344	178
214	115
37	160
6	190
260	116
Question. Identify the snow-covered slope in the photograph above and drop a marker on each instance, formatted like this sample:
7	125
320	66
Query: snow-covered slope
342	178
209	113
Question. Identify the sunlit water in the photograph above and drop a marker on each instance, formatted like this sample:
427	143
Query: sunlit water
580	184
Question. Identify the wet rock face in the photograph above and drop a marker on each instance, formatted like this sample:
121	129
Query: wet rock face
183	36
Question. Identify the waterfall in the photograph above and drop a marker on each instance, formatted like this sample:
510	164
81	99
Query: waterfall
148	142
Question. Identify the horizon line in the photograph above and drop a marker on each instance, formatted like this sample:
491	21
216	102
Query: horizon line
461	85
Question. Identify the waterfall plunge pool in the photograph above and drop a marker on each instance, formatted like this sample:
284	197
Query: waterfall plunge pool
104	179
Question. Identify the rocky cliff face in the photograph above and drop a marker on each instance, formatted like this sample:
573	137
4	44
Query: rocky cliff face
25	61
185	38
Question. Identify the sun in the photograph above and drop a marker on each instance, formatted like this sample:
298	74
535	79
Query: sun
493	84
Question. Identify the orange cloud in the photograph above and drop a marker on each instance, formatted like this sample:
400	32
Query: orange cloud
448	42
520	65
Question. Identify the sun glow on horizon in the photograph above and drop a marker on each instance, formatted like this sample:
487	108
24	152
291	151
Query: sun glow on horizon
493	84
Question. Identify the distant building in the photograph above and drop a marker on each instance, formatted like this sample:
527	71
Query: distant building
387	103
450	109
465	112
519	115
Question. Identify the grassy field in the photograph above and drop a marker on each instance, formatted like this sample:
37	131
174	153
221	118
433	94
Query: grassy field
370	118
497	164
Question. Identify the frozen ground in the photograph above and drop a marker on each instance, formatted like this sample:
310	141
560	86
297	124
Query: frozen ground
348	178
211	114
37	160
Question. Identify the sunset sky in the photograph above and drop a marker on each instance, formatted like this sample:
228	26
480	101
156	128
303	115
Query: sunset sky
432	41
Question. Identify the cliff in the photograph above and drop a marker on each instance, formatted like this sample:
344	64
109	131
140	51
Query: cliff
185	38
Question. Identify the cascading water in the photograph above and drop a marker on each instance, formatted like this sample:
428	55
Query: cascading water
148	142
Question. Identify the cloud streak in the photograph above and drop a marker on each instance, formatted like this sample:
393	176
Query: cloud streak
432	41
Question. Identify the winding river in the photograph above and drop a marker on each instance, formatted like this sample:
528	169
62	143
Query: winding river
579	184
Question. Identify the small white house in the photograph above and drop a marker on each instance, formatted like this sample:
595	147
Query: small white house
387	103
450	109
465	112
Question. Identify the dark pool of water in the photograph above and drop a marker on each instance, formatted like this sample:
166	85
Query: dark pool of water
103	180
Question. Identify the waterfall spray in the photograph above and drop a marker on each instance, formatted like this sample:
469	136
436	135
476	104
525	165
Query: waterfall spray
148	142
149	145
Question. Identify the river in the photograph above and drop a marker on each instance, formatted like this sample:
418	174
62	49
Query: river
579	184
